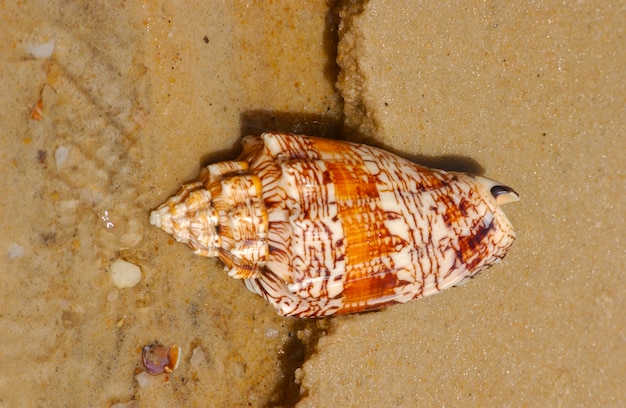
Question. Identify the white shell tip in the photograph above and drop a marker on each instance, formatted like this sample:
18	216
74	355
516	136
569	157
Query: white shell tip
155	218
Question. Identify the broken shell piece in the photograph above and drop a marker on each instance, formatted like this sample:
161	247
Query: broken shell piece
37	112
144	379
158	359
43	50
61	154
197	357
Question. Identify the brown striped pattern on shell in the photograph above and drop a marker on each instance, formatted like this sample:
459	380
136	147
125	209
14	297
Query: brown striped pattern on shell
320	227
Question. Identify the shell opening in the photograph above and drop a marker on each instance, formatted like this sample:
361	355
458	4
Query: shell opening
504	194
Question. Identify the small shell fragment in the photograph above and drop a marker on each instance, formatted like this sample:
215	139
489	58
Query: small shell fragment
37	112
144	379
197	357
61	154
43	50
158	359
320	227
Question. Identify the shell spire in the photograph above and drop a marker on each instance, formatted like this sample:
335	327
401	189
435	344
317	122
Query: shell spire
320	227
189	217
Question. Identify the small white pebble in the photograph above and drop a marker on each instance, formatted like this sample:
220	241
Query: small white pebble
44	50
143	379
125	274
61	154
298	375
197	357
15	251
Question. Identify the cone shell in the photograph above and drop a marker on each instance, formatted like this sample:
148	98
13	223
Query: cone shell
320	227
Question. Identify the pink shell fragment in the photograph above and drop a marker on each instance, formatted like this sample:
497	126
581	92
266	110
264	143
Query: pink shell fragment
158	359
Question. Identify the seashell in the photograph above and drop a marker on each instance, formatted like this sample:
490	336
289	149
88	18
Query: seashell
320	227
158	359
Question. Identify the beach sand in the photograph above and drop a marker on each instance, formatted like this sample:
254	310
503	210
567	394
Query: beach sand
107	109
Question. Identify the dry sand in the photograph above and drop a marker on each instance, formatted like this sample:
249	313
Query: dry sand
136	98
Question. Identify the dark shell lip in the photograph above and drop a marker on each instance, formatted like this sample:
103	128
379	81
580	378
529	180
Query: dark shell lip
501	193
504	194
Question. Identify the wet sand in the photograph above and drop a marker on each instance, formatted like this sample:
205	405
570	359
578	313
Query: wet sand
136	99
